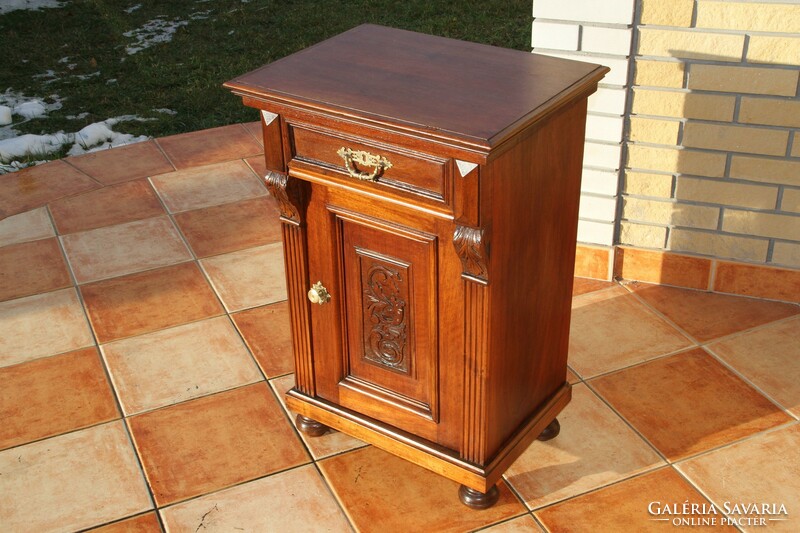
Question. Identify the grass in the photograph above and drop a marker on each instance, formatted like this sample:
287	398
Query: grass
84	45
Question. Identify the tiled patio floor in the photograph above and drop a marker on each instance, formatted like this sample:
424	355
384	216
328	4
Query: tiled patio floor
144	353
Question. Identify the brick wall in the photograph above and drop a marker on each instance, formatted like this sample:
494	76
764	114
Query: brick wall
710	139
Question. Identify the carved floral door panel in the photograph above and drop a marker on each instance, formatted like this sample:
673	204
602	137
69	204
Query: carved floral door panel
386	290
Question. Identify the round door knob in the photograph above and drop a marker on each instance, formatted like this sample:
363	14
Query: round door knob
318	294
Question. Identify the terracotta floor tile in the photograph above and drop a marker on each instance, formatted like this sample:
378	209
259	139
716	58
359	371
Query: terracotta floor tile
572	377
24	227
144	523
610	329
381	492
209	185
595	448
330	443
34	187
267	332
204	357
770	358
523	524
210	146
706	315
231	227
214	442
585	285
254	128
258	165
764	469
293	501
123	163
688	403
148	301
248	278
41	325
624	506
126	202
32	267
74	481
53	395
124	249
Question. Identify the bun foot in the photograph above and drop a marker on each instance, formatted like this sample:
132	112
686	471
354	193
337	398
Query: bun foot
310	427
551	431
475	499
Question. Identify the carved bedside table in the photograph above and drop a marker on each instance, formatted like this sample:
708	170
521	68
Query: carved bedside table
428	191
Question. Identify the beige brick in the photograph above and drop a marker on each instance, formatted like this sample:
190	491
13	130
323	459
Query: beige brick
655	131
673	160
683	104
667	12
757	80
726	193
735	138
775	50
796	146
659	73
761	224
642	235
752	16
786	253
648	184
717	245
771	111
669	213
791	202
690	44
785	172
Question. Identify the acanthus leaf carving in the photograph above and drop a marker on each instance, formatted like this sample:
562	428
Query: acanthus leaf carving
472	249
287	192
387	341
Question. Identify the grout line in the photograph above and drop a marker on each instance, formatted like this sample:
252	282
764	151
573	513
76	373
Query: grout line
701	491
168	158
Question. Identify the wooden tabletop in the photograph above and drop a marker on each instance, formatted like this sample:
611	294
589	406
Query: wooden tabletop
474	93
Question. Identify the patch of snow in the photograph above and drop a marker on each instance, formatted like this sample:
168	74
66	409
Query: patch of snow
97	136
7	6
51	74
200	15
26	107
109	81
31	109
77	117
64	60
132	9
231	32
165	111
87	76
155	31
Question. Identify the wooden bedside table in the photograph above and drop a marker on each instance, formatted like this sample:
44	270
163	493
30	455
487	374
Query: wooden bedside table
429	192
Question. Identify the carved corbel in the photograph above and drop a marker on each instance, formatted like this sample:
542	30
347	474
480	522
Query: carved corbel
289	193
473	250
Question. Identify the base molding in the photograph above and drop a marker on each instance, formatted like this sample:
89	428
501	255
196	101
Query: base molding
443	461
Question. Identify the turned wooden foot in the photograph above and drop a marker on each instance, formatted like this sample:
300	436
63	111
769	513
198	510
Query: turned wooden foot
551	431
475	499
310	427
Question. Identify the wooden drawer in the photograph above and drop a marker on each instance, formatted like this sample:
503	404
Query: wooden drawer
399	171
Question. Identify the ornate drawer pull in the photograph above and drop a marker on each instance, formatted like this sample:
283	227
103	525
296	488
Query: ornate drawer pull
366	159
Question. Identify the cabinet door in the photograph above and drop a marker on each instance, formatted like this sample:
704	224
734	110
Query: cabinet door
384	360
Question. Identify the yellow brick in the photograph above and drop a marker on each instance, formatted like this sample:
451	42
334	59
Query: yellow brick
655	131
786	253
775	50
642	235
670	213
684	240
770	111
796	147
673	160
659	73
735	138
683	105
758	80
761	224
726	193
785	172
791	202
690	44
667	12
749	16
647	184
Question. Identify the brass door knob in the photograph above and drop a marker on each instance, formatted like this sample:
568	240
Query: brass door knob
318	294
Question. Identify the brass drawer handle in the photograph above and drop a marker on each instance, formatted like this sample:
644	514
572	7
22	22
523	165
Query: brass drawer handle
352	157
